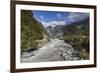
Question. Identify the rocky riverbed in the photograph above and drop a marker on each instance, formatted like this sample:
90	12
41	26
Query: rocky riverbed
55	50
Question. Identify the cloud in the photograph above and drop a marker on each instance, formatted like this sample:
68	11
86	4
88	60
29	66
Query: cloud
41	17
45	23
77	16
53	23
58	22
59	16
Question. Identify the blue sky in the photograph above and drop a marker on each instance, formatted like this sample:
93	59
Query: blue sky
59	18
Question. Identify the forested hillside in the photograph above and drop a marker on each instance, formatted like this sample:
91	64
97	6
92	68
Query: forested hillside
77	34
31	30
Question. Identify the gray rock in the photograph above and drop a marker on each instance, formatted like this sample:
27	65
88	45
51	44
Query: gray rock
55	50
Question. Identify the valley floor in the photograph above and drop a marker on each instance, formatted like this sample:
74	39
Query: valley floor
55	50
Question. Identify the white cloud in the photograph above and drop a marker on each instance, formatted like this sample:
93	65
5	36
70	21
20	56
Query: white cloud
41	17
58	22
45	23
53	23
73	15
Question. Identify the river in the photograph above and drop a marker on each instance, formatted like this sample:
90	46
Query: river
55	50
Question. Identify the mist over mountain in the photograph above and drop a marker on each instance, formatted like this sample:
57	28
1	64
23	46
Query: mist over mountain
72	28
